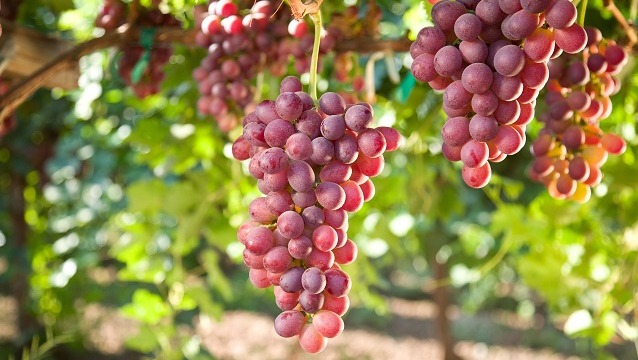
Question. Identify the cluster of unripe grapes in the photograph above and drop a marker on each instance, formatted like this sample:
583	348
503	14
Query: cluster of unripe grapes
489	57
571	147
113	14
314	165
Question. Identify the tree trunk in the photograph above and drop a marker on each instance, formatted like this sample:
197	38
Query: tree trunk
441	297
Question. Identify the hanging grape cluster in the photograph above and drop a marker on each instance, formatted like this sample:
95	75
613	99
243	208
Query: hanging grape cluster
239	47
314	165
571	147
113	14
489	58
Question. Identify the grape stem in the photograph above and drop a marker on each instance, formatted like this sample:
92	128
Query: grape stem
314	61
583	11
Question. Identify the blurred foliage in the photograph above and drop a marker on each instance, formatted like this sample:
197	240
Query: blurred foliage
134	204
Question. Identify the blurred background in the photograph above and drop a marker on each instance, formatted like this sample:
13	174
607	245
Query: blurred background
118	217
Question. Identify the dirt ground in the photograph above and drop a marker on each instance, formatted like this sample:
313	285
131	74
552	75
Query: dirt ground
243	335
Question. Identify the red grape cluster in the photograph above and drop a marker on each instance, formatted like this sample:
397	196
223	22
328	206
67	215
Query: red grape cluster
571	147
490	59
238	48
314	166
113	14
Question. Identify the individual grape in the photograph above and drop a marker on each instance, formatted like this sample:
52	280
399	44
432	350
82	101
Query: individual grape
320	259
423	68
300	247
534	75
578	100
336	172
507	112
259	211
561	14
616	55
277	260
290	280
331	103
354	196
477	177
578	169
485	104
290	224
273	160
483	128
309	123
301	176
346	254
279	202
613	143
358	118
430	40
290	84
322	151
253	261
535	6
298	146
510	6
372	143
489	12
328	323
448	61
519	25
507	88
456	131
451	153
313	216
313	280
474	154
468	27
477	78
474	51
277	132
289	323
539	45
456	96
571	39
370	166
259	278
311	303
336	218
330	195
289	106
324	238
445	13
346	149
333	127
338	305
337	282
509	60
508	140
311	341
276	182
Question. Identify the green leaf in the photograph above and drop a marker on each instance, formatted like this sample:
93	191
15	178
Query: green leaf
147	307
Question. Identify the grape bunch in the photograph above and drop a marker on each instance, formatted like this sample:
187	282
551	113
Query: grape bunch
238	48
571	147
113	14
314	166
489	58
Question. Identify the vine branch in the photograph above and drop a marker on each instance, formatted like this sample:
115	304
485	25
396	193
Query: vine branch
617	14
21	91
